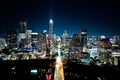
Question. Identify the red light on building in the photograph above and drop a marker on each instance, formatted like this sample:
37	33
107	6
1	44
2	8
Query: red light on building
48	41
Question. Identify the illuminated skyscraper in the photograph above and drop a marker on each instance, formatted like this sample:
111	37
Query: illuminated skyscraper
51	28
83	38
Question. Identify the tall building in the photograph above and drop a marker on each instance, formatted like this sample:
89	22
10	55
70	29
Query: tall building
34	39
64	36
2	42
28	38
83	38
116	39
104	48
23	27
12	39
51	31
42	41
22	34
74	46
68	39
75	41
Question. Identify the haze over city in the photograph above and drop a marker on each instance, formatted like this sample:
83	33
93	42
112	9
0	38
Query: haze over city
100	17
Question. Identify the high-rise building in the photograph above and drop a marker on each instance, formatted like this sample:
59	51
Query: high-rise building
75	41
83	38
23	27
68	39
2	42
116	39
42	41
12	39
28	34
34	39
64	36
104	48
74	46
22	34
51	31
28	38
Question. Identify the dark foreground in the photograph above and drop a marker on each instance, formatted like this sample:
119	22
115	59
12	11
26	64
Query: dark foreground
38	69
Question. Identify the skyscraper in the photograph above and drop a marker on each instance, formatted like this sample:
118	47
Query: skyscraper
11	38
42	41
23	25
51	28
83	38
22	34
64	36
74	46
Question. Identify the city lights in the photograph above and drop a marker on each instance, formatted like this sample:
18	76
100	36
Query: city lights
51	21
59	40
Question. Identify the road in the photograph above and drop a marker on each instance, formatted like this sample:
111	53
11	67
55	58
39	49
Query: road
59	73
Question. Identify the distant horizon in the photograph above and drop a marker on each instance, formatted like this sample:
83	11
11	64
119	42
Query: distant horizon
99	17
69	34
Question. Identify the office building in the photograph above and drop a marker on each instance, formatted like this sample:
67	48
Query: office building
116	39
75	41
28	39
51	29
74	46
42	41
23	26
104	48
83	39
64	36
12	39
34	39
2	42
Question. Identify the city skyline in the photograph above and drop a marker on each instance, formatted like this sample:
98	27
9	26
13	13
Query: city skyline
99	17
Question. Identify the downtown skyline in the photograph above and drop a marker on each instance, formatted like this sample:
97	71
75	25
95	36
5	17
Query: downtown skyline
99	17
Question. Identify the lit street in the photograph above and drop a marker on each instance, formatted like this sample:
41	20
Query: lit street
59	74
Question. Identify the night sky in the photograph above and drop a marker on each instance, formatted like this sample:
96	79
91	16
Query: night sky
100	17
